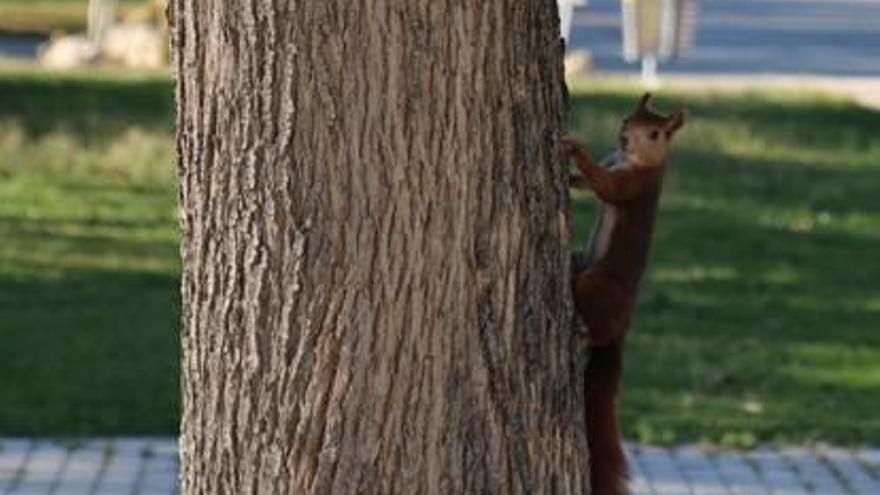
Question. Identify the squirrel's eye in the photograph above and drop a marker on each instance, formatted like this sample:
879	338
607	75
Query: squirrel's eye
654	135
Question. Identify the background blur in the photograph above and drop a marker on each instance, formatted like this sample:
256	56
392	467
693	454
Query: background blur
760	319
749	37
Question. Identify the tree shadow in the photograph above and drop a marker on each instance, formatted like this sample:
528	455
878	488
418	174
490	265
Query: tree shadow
88	108
826	123
89	352
90	316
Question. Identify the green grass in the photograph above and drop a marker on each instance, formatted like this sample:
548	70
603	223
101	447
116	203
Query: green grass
88	258
760	313
760	316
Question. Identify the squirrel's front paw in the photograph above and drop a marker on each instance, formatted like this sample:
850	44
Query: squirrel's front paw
571	148
569	145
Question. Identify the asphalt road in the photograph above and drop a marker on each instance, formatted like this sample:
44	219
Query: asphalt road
19	47
795	37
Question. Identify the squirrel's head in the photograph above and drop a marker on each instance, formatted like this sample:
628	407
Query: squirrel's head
645	134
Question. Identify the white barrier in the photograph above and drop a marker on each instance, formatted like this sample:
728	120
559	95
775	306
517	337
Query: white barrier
566	12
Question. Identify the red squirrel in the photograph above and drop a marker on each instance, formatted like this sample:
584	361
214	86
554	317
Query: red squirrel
605	283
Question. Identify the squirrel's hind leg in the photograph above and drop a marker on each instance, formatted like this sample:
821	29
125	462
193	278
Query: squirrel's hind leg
602	307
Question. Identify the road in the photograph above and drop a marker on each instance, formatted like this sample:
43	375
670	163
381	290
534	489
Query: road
19	47
794	37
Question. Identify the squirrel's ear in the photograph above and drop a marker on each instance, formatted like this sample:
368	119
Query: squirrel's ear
674	122
643	103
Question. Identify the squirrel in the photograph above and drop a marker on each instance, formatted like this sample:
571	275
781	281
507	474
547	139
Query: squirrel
605	282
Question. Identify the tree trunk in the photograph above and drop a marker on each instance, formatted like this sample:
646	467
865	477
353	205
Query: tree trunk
375	289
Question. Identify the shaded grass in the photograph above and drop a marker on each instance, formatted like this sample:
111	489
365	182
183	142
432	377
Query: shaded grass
760	316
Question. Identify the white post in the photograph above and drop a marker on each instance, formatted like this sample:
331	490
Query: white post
566	12
101	14
649	71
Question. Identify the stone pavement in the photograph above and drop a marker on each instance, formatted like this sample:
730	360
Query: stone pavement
149	466
144	466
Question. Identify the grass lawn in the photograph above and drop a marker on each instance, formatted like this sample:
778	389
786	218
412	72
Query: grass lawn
88	257
760	316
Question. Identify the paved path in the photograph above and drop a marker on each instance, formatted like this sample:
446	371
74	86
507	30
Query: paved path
819	37
149	466
93	467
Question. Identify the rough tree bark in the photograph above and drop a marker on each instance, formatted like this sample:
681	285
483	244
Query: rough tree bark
375	288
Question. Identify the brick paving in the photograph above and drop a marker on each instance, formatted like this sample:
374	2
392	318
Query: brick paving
122	466
149	466
691	470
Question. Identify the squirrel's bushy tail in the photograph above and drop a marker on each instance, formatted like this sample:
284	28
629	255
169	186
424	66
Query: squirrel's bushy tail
608	471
